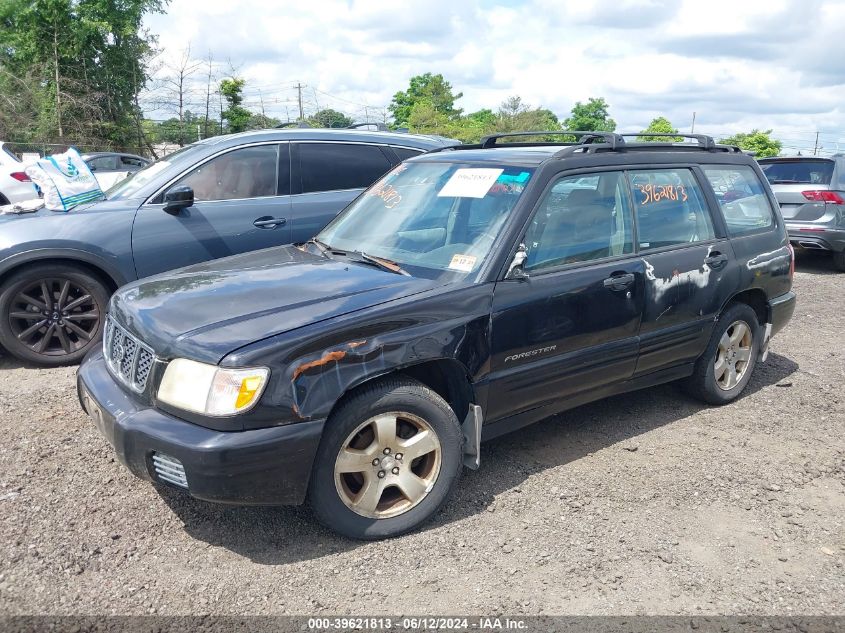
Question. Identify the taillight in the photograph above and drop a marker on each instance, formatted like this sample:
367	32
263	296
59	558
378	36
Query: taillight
824	196
791	261
20	176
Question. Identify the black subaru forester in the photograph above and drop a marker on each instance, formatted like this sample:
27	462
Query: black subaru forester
468	293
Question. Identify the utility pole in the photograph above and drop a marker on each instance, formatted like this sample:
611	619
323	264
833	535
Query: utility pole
692	127
263	117
299	88
816	146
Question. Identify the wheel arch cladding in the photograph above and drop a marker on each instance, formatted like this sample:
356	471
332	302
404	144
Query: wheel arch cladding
99	272
755	299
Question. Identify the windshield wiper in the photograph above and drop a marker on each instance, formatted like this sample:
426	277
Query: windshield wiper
384	264
361	257
324	248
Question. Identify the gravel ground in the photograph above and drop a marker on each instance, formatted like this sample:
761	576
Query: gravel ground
648	503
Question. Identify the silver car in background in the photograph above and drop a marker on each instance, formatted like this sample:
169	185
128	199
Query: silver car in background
811	193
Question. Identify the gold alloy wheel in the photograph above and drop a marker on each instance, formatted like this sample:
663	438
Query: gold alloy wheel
387	465
733	355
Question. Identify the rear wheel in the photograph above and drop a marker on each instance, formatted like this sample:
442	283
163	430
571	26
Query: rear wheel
723	371
52	314
839	261
388	459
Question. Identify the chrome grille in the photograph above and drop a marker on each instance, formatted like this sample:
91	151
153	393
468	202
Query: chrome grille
170	469
128	359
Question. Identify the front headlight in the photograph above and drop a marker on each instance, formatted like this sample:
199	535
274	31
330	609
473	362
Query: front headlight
209	389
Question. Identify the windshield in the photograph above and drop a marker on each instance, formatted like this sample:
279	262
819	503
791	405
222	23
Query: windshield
134	182
430	218
805	172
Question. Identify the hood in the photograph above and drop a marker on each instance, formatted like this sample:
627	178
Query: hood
98	206
206	311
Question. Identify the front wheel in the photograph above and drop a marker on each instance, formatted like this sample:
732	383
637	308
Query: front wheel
388	460
724	370
52	314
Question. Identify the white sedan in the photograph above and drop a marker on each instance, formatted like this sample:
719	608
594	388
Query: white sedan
110	168
15	185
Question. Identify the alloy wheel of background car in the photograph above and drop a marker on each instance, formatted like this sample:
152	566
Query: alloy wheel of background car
52	315
733	355
389	457
387	465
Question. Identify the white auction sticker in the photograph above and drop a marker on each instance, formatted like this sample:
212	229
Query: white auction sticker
464	263
470	183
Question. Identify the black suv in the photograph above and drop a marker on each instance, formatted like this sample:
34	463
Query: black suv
468	293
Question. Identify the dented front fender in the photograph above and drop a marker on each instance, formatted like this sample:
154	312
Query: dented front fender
312	368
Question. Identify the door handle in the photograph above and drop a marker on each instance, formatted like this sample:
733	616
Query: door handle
268	222
619	282
716	259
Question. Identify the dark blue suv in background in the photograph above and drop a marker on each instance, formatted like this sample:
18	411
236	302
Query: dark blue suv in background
218	197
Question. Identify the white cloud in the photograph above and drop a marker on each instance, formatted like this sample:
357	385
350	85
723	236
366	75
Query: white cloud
737	64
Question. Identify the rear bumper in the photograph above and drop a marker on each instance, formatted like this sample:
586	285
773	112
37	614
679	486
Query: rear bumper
780	311
816	238
258	467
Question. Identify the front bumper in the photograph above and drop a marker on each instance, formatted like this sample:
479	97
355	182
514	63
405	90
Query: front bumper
816	238
269	466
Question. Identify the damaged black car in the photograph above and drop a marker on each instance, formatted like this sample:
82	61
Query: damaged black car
470	292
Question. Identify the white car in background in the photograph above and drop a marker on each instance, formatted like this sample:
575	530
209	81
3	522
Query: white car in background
109	168
15	185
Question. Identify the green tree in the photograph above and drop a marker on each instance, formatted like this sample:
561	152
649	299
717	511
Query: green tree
329	118
517	116
660	125
71	70
592	116
433	89
758	141
262	122
483	117
424	118
237	117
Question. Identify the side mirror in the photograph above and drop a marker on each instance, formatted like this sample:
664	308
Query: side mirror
178	198
516	270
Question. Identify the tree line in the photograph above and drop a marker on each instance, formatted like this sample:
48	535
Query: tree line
84	72
428	107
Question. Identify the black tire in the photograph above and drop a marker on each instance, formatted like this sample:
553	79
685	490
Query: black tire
3	200
839	261
397	394
65	345
703	384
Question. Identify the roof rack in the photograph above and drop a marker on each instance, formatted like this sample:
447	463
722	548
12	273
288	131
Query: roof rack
380	127
299	124
588	137
706	142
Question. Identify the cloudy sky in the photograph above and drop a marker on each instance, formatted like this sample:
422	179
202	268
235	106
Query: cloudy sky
738	64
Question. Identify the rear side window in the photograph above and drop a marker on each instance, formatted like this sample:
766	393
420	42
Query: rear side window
131	161
670	208
104	163
741	197
334	166
403	153
804	172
